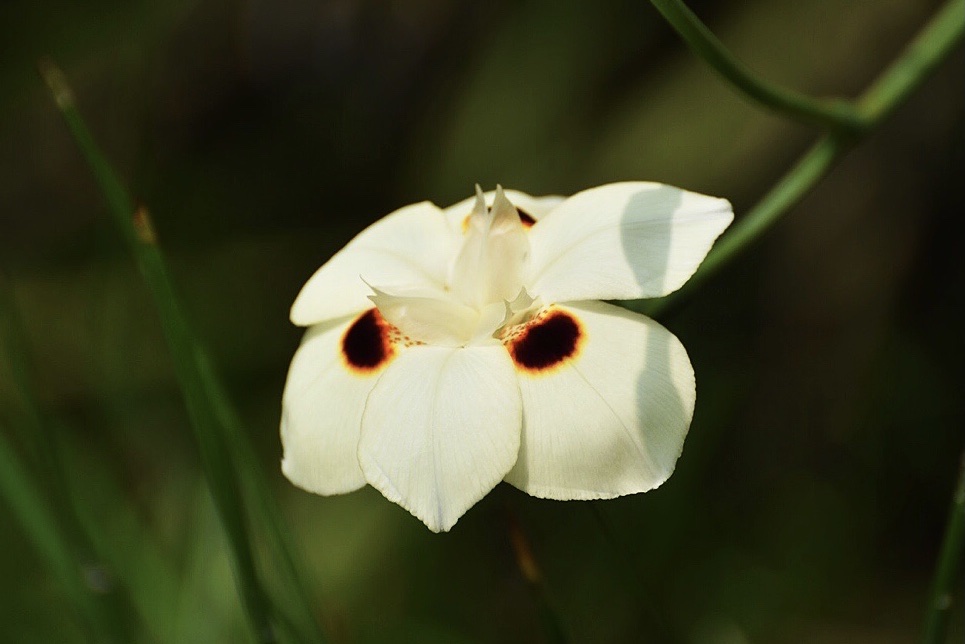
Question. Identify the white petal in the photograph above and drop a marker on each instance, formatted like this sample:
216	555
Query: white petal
623	241
535	207
410	247
322	410
441	429
610	419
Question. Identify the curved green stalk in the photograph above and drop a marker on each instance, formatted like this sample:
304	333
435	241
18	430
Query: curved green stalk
929	48
217	441
836	115
932	45
948	570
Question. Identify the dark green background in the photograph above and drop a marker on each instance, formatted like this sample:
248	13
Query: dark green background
810	498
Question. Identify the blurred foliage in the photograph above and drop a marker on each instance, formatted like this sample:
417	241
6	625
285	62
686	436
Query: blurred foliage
810	499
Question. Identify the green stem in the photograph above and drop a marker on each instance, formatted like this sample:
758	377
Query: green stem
929	48
893	87
948	570
832	114
932	45
215	439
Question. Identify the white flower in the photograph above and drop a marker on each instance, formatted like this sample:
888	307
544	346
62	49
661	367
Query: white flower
448	350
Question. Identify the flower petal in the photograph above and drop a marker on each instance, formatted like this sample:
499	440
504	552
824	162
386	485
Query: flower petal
623	241
438	320
441	429
331	375
410	247
608	396
531	209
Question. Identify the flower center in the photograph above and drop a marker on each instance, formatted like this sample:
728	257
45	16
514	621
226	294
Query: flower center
484	292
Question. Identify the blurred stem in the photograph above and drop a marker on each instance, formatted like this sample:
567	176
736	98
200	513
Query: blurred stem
928	49
552	626
832	114
932	45
948	570
217	442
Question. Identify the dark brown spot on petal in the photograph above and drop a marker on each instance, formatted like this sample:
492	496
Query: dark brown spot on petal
546	341
367	345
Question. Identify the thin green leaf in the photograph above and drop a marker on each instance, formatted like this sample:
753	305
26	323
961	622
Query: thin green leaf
948	569
218	443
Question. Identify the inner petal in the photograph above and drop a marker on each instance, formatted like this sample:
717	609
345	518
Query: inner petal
489	266
438	320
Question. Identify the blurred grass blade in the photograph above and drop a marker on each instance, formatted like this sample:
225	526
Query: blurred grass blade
948	570
119	539
832	114
15	368
32	512
218	443
47	509
256	487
